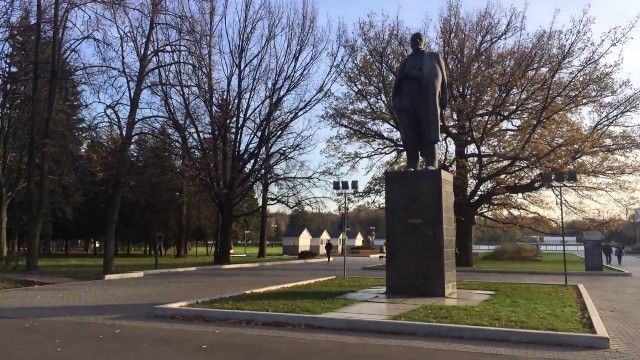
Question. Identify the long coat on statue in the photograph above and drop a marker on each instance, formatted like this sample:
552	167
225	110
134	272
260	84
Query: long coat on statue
420	95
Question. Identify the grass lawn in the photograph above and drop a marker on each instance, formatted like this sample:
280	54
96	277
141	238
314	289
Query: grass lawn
549	262
316	298
519	306
523	306
90	267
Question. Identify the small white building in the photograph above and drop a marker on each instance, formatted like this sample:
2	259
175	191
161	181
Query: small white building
337	245
357	241
292	245
318	243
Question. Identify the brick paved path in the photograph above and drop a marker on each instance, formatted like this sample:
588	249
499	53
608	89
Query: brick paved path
87	307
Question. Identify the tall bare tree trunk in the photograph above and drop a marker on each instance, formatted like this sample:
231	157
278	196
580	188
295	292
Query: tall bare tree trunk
111	223
4	204
32	232
181	246
222	255
262	248
462	209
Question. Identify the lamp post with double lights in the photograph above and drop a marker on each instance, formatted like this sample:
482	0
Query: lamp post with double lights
557	179
342	189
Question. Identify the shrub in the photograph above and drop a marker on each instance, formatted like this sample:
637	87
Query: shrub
513	252
306	254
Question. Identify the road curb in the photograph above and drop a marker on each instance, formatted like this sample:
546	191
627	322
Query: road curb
597	323
600	340
137	274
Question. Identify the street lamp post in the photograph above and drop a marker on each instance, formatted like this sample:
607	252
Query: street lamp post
636	221
560	177
245	241
373	236
275	234
342	188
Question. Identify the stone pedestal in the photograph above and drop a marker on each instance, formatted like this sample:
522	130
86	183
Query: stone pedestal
420	233
593	255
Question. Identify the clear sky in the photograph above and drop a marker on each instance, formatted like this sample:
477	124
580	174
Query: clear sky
607	14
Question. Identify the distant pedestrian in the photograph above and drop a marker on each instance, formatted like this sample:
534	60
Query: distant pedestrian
328	247
607	250
619	253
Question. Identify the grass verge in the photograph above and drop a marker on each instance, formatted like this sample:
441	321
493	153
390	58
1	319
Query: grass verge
516	306
519	306
548	262
315	298
89	267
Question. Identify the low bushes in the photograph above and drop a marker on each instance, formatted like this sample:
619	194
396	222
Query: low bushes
514	252
306	254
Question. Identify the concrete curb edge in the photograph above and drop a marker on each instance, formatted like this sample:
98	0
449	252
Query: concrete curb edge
597	323
136	274
600	340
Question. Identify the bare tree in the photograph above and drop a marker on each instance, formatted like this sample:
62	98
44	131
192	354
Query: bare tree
521	102
12	125
61	23
126	53
253	69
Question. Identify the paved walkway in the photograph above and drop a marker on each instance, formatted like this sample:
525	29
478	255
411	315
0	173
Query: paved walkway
113	319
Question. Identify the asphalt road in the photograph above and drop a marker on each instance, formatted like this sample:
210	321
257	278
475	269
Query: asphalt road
114	320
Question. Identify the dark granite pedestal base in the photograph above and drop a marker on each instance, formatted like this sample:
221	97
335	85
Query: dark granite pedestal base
420	233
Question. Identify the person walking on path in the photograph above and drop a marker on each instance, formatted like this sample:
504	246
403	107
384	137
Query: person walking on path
328	247
607	250
619	253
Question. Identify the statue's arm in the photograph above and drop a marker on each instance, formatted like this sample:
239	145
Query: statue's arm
398	80
444	95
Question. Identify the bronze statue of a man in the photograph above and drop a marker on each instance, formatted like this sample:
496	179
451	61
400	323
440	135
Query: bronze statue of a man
419	96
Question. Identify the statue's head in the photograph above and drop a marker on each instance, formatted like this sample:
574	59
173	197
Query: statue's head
418	42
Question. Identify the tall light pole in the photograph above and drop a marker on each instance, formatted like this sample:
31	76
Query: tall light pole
373	236
636	221
245	241
275	234
557	179
342	188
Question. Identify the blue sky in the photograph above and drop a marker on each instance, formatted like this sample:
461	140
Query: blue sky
607	13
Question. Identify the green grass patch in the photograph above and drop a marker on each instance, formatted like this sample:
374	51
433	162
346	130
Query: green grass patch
546	262
315	298
517	306
88	267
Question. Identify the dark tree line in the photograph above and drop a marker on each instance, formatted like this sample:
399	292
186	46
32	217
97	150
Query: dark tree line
122	120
